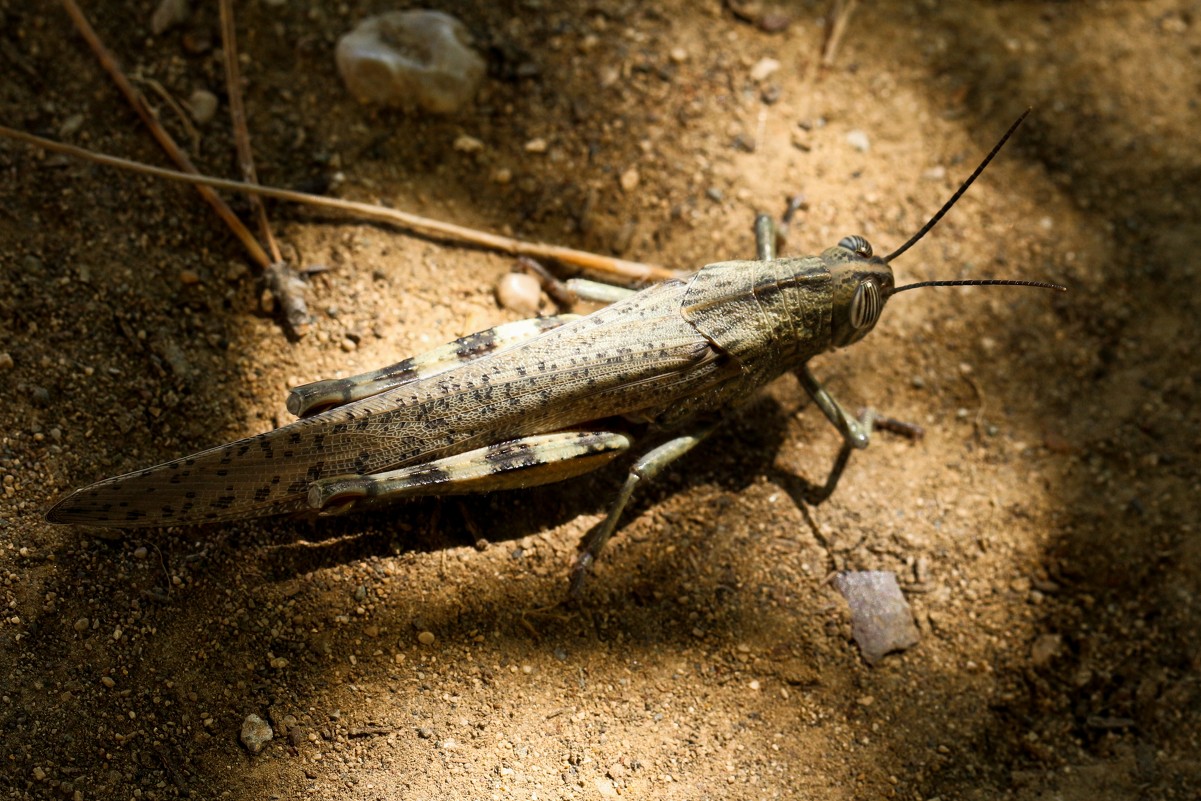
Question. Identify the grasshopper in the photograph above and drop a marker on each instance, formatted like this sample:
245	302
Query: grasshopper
542	400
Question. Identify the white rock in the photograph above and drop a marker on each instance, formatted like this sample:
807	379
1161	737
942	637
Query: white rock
202	105
764	68
520	292
256	733
629	179
420	59
468	144
168	14
1045	649
858	140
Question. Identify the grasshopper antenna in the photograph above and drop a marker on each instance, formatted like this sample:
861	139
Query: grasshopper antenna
959	192
947	207
980	282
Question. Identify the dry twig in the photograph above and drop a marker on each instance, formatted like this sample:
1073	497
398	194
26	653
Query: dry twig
278	278
620	269
282	281
180	114
168	144
839	17
237	113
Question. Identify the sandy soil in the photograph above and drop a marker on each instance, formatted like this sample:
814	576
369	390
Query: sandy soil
1044	529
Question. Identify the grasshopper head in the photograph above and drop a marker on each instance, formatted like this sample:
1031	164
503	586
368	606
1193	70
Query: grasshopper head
861	283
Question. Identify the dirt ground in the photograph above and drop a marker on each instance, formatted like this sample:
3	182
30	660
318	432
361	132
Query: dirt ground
1044	529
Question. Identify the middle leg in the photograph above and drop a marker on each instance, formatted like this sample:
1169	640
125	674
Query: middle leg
647	467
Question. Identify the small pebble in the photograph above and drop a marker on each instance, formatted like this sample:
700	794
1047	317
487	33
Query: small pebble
202	105
538	145
168	14
82	624
1045	649
348	345
629	179
197	42
858	140
678	54
764	69
140	552
1057	443
774	21
921	570
881	620
70	126
519	292
108	682
298	736
256	733
468	144
6	361
426	638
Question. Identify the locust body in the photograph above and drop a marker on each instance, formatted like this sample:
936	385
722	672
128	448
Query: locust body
676	352
541	400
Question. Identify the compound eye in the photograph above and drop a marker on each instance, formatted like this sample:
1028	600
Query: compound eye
865	305
857	245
